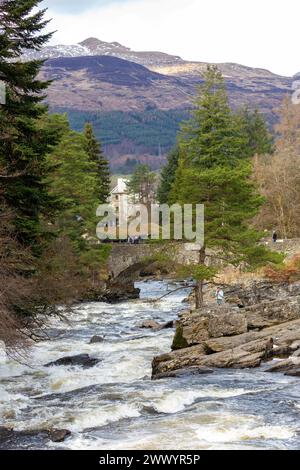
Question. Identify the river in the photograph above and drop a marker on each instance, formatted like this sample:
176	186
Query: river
115	405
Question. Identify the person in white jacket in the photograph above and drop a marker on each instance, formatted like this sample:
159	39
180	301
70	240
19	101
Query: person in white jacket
220	296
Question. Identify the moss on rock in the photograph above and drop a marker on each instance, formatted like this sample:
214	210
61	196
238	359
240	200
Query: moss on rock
179	342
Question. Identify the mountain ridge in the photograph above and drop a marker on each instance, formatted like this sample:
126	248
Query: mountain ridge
136	105
94	46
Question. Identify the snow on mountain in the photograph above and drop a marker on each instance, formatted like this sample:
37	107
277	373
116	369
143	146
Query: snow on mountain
94	47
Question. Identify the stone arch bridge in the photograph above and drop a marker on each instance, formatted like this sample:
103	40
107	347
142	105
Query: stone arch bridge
126	261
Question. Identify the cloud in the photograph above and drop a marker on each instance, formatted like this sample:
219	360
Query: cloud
75	6
251	32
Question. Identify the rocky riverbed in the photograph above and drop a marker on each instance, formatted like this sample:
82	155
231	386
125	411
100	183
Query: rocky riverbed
255	325
89	387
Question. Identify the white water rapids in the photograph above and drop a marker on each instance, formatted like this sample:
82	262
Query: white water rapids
115	405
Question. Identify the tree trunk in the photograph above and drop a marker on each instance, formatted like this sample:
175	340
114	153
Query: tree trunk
199	294
199	285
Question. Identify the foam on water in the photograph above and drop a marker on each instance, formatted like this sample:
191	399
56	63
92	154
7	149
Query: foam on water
172	402
125	409
237	434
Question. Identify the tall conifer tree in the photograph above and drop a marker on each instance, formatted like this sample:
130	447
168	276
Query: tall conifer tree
95	152
214	170
168	176
23	144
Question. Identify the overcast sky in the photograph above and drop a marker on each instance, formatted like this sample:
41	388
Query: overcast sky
258	33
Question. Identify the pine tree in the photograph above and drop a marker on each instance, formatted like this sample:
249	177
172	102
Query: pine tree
214	170
168	176
212	136
142	185
23	145
74	182
94	150
260	141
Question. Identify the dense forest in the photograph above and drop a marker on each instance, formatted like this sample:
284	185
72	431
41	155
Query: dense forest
52	180
151	132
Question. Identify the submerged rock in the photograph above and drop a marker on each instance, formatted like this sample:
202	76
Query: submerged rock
83	360
59	435
96	339
150	324
154	325
295	372
31	439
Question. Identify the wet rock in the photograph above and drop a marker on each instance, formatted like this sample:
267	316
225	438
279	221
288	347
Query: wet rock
281	366
168	325
150	324
119	291
184	372
31	439
155	326
282	351
67	396
179	359
288	365
96	339
295	372
83	360
295	345
59	435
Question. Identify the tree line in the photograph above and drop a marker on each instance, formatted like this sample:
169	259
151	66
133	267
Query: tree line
51	181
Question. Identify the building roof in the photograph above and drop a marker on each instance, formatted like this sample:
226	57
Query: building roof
121	187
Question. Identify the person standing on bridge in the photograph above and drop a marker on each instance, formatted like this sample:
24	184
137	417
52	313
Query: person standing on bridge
274	236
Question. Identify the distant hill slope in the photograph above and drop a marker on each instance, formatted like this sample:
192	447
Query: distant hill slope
105	83
137	99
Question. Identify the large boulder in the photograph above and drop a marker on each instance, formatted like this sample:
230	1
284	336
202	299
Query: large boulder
96	339
273	313
284	335
248	355
227	324
119	290
83	360
197	326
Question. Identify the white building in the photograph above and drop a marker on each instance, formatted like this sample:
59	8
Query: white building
121	200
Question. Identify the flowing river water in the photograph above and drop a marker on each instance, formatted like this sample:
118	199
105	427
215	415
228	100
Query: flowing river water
115	405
